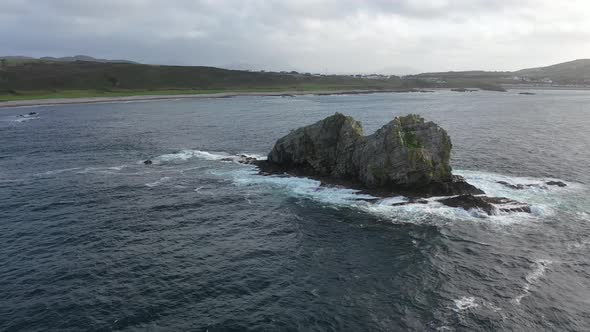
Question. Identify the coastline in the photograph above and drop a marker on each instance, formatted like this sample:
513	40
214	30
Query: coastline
139	98
97	100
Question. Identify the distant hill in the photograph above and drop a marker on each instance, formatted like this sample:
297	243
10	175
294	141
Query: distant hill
91	75
577	71
17	58
21	76
62	59
475	74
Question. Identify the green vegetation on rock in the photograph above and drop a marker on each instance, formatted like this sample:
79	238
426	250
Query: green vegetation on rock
411	140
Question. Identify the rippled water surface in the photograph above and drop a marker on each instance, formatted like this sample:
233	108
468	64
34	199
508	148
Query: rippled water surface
92	239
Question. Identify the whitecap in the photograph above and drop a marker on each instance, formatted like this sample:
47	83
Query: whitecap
159	182
544	200
392	208
184	155
187	154
24	118
464	303
488	182
539	268
302	187
117	168
253	155
393	200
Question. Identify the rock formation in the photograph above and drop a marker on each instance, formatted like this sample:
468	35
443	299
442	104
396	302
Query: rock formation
407	154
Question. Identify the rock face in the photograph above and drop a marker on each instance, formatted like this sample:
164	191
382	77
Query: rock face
406	153
325	148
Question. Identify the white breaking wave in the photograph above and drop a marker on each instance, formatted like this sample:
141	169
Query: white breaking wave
389	208
159	182
539	268
464	303
187	154
302	187
488	182
393	200
544	200
23	119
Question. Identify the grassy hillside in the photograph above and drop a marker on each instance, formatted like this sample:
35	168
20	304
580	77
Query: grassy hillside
22	80
577	71
28	78
463	79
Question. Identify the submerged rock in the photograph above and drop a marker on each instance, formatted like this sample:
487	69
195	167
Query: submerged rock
534	185
407	154
556	183
489	205
515	186
242	159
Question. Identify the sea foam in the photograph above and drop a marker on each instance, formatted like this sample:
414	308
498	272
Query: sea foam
539	268
543	200
187	154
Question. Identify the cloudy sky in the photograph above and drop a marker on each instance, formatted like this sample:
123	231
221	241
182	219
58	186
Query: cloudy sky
334	36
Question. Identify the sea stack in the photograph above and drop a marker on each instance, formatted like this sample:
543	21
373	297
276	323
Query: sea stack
407	154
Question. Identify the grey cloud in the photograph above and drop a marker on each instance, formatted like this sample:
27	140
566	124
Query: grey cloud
332	35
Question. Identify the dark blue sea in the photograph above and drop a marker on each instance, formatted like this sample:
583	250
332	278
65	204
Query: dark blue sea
91	239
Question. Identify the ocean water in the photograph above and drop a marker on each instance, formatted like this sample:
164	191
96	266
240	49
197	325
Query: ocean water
92	239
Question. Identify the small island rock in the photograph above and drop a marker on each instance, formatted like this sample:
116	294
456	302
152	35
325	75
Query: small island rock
407	154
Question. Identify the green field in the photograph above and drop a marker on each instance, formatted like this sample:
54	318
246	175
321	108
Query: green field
46	80
39	79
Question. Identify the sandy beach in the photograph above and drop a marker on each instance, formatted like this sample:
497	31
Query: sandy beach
93	100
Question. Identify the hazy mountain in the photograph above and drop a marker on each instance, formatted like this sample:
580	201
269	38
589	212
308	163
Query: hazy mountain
64	59
17	58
